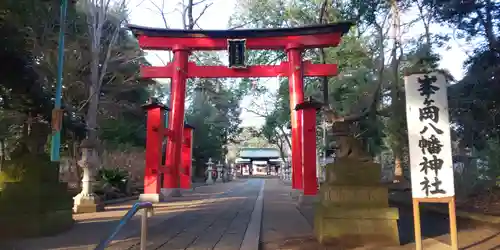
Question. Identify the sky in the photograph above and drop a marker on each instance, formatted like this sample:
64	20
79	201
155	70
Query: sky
149	13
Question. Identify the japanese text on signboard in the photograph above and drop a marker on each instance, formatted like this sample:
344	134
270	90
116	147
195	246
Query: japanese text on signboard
429	136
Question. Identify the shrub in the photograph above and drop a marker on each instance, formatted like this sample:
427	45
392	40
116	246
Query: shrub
116	178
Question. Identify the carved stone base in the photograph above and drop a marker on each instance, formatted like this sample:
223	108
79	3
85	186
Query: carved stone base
86	203
353	208
362	225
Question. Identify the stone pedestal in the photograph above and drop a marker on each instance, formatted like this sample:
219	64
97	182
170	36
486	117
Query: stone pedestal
85	203
353	206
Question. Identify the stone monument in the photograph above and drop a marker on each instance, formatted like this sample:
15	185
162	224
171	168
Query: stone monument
353	206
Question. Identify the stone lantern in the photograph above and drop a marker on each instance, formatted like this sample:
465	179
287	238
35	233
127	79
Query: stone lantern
230	172
209	171
86	201
219	172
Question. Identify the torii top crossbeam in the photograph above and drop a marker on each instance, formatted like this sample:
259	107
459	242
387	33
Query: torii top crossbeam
316	36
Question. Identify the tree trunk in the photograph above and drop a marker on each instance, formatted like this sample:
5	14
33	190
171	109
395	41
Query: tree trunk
395	95
3	153
398	169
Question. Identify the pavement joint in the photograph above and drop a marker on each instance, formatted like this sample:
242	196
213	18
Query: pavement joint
251	239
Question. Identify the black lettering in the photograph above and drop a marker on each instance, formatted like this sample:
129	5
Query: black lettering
429	113
436	185
432	145
426	88
435	164
437	130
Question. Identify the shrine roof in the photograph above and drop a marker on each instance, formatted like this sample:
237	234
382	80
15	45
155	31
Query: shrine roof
340	27
259	153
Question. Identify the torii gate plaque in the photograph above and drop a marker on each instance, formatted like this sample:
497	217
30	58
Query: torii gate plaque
292	40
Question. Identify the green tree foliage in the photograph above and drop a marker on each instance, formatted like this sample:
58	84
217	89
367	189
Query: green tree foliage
473	100
30	45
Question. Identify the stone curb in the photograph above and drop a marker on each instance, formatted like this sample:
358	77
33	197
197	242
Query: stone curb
120	200
489	219
251	239
136	197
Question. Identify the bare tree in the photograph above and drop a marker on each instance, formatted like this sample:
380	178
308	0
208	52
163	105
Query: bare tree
105	19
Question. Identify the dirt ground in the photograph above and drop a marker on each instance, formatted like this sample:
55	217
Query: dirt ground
487	202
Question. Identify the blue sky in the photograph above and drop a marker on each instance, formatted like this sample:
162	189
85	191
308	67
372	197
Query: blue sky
149	13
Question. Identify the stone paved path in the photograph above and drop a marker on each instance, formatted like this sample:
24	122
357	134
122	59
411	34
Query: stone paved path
218	217
219	225
282	222
91	228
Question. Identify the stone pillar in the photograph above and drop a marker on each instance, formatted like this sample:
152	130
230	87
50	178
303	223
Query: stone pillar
219	172
86	201
208	172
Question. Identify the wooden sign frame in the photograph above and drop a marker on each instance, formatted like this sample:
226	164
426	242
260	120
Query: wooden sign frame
452	211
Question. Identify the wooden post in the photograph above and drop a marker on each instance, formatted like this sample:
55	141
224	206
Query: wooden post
452	210
296	82
309	109
417	224
154	137
452	214
176	117
187	148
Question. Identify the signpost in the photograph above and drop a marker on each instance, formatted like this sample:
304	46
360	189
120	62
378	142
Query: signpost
430	147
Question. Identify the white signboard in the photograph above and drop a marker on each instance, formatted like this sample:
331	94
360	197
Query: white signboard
429	136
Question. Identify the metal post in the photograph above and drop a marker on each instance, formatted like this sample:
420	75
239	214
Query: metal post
56	134
144	228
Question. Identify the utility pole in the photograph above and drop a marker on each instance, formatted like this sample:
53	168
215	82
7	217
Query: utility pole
57	113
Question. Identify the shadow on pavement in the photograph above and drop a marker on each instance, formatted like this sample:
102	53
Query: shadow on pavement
432	224
480	242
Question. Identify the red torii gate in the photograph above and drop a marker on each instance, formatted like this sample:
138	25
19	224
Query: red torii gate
292	40
156	174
